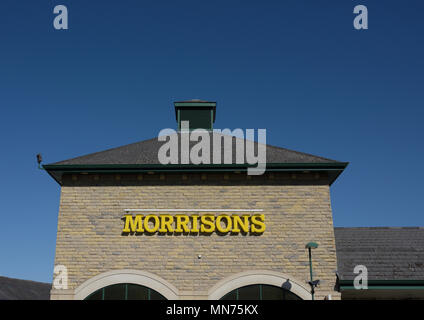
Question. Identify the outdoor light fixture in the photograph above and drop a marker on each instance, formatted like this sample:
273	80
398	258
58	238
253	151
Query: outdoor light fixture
39	160
313	283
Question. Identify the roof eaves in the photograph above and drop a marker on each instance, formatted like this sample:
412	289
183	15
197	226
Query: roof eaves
288	166
57	170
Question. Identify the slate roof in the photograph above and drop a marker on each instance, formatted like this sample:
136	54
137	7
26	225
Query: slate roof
146	152
17	289
389	253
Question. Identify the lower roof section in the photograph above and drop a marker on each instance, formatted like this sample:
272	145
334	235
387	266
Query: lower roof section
393	256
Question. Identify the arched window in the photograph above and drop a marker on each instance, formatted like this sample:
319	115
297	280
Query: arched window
260	292
125	291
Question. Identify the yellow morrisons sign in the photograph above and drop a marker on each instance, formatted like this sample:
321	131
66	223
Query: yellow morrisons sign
183	223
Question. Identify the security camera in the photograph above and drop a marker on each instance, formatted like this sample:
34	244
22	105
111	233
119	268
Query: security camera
314	283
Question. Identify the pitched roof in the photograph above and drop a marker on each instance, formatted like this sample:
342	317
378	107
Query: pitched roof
389	253
146	152
143	157
17	289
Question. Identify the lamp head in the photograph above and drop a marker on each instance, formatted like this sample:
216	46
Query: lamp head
311	245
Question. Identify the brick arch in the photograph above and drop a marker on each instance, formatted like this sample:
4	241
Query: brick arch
139	277
246	278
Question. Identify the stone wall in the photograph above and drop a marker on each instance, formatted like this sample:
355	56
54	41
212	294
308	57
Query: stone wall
296	207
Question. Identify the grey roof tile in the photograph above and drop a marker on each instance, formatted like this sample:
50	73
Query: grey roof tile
146	152
17	289
389	253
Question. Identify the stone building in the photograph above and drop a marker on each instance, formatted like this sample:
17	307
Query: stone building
130	227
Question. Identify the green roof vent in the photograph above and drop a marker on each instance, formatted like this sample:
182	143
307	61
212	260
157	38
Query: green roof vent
199	113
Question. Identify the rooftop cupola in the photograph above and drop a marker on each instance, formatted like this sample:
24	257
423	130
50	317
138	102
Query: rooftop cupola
199	113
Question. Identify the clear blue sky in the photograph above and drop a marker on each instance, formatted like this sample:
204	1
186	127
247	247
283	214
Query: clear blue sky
296	68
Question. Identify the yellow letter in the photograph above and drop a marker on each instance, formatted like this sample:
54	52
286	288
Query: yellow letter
180	223
166	223
133	225
258	221
146	223
219	226
194	227
208	220
243	224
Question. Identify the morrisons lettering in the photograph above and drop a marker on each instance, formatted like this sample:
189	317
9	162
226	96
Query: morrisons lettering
183	223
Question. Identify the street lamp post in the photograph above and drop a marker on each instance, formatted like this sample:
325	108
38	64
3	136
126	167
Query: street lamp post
312	283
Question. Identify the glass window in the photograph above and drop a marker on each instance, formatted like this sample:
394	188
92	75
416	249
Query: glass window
125	291
115	292
249	292
272	293
136	292
260	292
98	295
231	295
